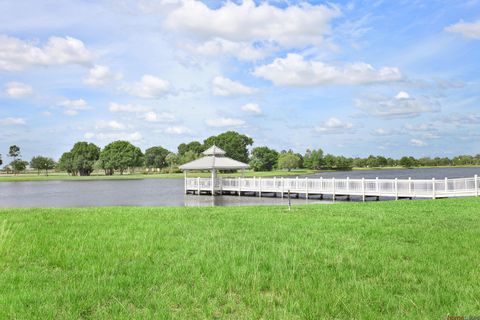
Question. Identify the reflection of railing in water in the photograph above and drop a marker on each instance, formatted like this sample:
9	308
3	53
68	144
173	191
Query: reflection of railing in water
396	188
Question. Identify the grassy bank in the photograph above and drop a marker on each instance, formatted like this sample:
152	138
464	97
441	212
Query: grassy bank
392	260
64	176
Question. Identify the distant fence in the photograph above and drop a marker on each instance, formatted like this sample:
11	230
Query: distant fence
396	188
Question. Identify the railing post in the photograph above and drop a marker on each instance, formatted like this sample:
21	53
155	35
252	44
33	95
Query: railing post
296	183
446	185
275	185
433	188
476	185
283	186
396	188
198	186
239	186
306	187
348	185
333	186
363	189
410	185
260	186
377	189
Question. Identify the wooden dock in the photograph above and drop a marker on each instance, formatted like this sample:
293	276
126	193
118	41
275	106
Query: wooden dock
334	188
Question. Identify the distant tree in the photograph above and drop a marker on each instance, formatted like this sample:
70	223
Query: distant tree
330	161
263	159
42	163
18	165
289	160
188	156
343	163
1	161
84	155
121	155
408	162
14	152
313	159
172	160
234	144
155	157
66	163
194	146
382	161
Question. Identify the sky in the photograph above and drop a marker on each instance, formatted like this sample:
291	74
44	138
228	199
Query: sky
354	78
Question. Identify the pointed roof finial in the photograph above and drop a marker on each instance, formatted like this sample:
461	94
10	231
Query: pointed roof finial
214	151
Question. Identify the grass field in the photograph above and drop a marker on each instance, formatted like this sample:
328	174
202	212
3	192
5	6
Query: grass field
64	176
389	260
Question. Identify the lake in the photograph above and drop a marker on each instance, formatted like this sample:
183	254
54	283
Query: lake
170	192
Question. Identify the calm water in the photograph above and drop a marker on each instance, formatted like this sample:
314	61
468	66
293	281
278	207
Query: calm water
170	192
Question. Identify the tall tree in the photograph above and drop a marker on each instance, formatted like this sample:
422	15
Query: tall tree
42	163
155	157
172	160
234	144
289	160
18	165
121	155
84	155
1	161
313	159
14	152
263	159
194	146
66	163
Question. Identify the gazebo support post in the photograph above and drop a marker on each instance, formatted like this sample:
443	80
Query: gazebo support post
214	177
185	180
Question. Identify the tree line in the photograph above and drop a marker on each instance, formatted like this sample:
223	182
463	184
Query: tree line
122	156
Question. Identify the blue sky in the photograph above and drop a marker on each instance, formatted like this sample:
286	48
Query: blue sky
353	78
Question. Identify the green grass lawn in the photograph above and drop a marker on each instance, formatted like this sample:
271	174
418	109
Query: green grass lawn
388	260
64	176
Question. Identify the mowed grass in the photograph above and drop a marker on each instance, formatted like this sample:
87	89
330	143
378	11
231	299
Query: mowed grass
389	260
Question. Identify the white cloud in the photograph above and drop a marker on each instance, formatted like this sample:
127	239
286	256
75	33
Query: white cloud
225	122
381	106
149	87
252	108
112	136
178	130
17	54
152	116
402	95
417	143
241	50
384	132
130	108
12	121
294	70
100	75
225	87
73	106
334	126
110	125
18	90
294	25
469	30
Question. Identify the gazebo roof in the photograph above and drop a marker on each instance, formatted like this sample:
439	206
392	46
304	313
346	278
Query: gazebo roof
214	151
214	159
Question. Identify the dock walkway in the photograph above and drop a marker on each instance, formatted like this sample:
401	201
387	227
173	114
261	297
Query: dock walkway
334	188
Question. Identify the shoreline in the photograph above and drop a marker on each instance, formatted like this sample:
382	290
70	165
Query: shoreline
60	176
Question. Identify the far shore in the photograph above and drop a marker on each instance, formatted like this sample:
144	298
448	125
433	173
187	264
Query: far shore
60	176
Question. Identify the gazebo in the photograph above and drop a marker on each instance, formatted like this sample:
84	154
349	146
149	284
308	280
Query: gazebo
214	159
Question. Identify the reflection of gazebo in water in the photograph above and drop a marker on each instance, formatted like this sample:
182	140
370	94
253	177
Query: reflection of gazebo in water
214	160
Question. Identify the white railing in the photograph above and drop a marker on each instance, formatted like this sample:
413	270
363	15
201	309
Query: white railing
397	188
